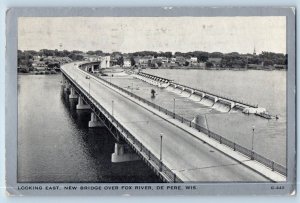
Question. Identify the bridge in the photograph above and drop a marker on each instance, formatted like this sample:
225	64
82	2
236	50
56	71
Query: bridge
175	149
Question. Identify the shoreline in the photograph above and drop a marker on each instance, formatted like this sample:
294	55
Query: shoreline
219	69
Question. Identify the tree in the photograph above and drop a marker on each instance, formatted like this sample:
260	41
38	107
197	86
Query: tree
120	61
132	61
268	63
91	52
209	64
168	54
216	55
202	56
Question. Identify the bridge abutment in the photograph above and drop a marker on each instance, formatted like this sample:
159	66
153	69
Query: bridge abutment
121	155
95	122
81	105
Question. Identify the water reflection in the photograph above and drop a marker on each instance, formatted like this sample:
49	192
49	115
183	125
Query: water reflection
56	145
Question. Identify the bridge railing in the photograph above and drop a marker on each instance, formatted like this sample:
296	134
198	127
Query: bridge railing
236	147
135	143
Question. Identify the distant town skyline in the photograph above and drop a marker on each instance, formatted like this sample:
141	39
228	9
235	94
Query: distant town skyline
132	34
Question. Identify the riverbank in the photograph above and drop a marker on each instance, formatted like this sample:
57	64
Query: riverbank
214	68
52	72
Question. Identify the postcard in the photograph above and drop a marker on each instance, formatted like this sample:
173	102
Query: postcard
150	101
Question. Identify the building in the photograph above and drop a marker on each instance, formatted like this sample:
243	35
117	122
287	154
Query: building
163	59
127	63
114	62
92	58
63	60
39	65
173	60
143	61
277	66
180	60
255	66
104	61
193	59
156	62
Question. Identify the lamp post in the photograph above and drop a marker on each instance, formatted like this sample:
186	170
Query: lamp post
112	107
88	78
253	128
174	107
160	157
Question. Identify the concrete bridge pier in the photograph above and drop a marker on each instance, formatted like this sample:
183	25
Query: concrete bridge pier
73	94
232	104
95	122
121	155
195	120
81	105
93	69
216	99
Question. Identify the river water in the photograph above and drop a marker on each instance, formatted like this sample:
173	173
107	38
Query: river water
265	88
55	143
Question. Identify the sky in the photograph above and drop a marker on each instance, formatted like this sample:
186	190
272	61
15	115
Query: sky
131	34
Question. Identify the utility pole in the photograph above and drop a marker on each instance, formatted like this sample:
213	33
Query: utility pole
160	157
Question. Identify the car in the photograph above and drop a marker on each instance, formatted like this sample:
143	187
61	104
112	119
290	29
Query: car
87	77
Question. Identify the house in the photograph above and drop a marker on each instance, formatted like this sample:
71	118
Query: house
193	59
173	60
127	63
62	60
180	60
163	59
156	62
39	65
143	61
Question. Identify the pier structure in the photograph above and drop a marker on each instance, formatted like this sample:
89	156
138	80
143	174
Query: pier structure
198	95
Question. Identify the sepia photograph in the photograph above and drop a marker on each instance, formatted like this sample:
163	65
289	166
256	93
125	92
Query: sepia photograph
153	100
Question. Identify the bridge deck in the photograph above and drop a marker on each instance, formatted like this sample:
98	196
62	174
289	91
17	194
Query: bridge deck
190	158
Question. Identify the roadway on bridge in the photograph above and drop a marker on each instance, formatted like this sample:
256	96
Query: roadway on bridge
187	156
